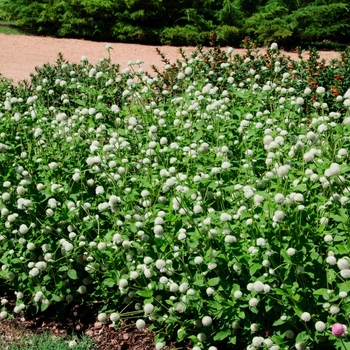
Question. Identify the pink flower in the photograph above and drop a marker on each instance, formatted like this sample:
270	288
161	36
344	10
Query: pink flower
338	329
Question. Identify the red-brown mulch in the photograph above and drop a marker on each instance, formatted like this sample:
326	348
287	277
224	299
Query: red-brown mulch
81	319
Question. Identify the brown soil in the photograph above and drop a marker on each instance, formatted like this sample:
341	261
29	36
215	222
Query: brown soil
20	54
79	320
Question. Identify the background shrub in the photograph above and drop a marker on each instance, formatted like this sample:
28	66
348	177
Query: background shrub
185	22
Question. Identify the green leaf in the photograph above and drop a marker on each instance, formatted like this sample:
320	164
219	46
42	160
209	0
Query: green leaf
279	322
254	268
300	188
285	256
344	287
181	335
213	281
145	293
331	276
73	274
109	282
302	336
43	306
320	291
221	335
55	297
199	281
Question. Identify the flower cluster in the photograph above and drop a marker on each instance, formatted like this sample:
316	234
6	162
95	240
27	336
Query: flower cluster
209	201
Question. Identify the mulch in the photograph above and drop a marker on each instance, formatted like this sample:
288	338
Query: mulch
80	319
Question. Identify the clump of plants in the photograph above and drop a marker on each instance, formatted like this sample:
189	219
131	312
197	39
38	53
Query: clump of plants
207	201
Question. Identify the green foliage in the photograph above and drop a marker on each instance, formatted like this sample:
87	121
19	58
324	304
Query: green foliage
317	22
47	341
185	22
269	24
187	35
210	199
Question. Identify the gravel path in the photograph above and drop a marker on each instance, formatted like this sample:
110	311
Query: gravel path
20	54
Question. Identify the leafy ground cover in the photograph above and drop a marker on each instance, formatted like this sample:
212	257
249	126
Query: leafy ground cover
10	28
208	203
21	339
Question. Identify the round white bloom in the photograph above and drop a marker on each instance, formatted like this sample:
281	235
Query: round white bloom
328	238
261	242
291	251
102	317
238	294
101	246
279	198
23	229
207	321
320	326
159	346
268	342
279	215
320	90
225	217
99	190
148	308
274	46
123	283
140	324
225	165
174	287
34	272
114	317
253	302
282	171
300	346
53	165
198	260
343	294
160	264
334	309
305	316
158	230
210	291
254	327
81	290
30	246
343	264
257	341
134	275
201	337
258	286
334	169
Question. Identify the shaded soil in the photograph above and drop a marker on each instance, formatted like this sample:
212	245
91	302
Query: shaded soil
80	319
20	54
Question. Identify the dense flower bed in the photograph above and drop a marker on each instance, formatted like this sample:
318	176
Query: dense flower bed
209	202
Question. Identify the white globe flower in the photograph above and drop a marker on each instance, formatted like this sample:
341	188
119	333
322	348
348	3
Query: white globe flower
305	316
207	321
140	324
102	317
320	326
114	317
274	47
257	341
253	302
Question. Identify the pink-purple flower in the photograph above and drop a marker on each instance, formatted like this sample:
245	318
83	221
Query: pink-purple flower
338	329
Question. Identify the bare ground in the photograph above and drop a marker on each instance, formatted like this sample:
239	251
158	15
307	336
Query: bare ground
20	54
